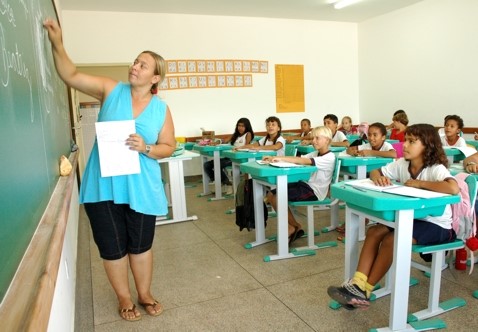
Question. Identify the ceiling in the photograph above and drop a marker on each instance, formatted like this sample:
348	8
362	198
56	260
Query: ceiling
287	9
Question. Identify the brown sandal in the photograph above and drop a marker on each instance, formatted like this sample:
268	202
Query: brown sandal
126	310
151	313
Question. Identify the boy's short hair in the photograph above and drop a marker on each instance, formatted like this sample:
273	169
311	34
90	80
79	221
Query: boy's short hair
322	131
456	118
380	126
306	120
401	117
332	117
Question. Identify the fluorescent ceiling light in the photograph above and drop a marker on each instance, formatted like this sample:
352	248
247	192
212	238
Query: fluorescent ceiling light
344	3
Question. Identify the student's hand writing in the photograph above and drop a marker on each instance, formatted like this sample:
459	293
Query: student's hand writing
54	31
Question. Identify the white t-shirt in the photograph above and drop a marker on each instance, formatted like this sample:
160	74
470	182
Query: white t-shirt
240	141
460	143
398	171
281	151
385	147
320	180
339	137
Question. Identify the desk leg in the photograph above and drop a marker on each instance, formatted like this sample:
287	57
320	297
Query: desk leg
258	216
352	225
217	176
205	178
178	194
236	178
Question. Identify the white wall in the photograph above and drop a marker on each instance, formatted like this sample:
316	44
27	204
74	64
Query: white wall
328	51
423	59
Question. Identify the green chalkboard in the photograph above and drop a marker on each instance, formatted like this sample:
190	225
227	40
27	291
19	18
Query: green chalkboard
34	127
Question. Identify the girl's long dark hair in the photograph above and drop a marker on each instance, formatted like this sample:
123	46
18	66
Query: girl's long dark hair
247	125
273	119
428	135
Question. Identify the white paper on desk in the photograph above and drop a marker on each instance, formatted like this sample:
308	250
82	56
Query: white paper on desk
115	156
395	189
284	164
466	150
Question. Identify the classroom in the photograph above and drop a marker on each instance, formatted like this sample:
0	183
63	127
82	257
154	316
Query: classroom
419	56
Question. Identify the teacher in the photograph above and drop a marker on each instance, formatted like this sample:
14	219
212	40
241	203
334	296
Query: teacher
123	209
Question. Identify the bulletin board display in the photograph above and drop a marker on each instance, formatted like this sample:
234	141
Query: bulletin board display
290	96
194	74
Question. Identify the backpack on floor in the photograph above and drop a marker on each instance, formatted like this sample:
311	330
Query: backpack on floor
245	206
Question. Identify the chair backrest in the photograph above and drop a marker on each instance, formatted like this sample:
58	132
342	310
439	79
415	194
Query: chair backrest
336	173
290	150
399	148
472	189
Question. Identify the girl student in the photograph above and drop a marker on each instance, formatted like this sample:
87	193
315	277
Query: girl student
273	140
243	135
453	126
346	126
318	185
400	122
376	146
424	166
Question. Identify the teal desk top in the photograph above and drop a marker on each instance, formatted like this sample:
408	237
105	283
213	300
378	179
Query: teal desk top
456	154
384	205
310	148
472	142
241	157
269	173
208	150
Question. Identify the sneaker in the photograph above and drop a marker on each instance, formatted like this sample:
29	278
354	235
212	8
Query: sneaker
228	190
349	294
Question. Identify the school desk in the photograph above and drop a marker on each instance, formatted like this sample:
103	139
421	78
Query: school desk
215	152
239	157
305	149
397	212
472	142
176	187
453	155
360	166
270	176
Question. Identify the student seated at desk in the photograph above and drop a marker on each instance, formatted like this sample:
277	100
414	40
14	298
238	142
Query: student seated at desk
318	185
452	130
400	122
338	138
347	127
424	166
304	135
273	140
471	163
376	146
243	135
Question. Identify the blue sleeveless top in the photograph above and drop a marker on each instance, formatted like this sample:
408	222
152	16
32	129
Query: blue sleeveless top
144	192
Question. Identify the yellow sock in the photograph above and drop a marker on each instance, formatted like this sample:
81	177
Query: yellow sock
360	280
369	289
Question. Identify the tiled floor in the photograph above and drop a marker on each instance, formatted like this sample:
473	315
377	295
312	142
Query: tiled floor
207	281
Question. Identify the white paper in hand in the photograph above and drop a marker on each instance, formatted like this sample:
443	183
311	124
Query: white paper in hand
115	156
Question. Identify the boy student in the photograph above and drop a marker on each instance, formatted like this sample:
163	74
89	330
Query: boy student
318	185
376	146
338	138
305	131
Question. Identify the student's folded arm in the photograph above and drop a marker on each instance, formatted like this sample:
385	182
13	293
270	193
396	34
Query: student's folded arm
448	186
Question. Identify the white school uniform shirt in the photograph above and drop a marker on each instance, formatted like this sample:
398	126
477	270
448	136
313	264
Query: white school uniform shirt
460	143
281	151
398	171
320	180
240	141
339	137
385	147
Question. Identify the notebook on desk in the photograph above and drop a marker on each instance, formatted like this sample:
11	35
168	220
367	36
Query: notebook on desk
395	189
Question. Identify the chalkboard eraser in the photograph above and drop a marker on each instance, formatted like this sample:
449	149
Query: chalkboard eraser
65	166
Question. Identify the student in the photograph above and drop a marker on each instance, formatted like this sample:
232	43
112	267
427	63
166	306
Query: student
471	163
390	126
424	166
338	138
346	126
243	134
318	185
304	135
400	122
452	130
376	146
273	140
122	209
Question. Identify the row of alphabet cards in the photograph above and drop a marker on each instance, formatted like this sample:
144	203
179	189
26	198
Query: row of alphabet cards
216	66
206	81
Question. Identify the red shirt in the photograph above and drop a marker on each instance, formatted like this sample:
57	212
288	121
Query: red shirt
398	135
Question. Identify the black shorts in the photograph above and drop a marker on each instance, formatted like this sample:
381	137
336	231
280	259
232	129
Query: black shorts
118	230
299	191
428	233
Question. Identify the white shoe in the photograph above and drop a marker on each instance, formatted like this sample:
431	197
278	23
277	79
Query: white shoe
228	190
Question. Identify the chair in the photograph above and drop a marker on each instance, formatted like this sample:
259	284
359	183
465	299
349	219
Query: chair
438	262
334	211
290	150
399	148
